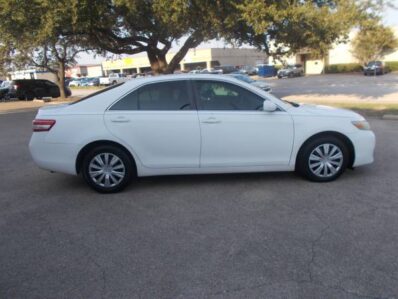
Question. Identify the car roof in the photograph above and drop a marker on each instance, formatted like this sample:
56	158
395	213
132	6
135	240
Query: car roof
102	101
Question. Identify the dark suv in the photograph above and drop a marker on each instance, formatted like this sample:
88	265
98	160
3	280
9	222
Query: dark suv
375	68
29	89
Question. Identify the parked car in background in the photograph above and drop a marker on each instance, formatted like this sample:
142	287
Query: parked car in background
195	124
4	89
89	82
28	89
248	70
290	71
375	68
93	82
112	79
76	82
197	71
213	71
67	81
226	69
245	78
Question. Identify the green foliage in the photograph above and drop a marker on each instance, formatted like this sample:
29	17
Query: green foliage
373	42
343	68
392	65
356	67
50	33
286	27
154	26
40	34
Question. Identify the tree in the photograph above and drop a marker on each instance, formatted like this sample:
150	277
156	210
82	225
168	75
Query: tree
373	42
153	26
285	27
39	34
278	27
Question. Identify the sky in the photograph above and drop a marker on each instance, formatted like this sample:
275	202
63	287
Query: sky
390	19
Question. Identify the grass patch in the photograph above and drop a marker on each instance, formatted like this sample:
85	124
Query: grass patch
369	109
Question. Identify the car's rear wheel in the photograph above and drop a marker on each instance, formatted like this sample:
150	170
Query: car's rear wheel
107	169
323	159
29	96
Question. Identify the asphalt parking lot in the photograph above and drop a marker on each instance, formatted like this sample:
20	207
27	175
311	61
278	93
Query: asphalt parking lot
212	236
338	87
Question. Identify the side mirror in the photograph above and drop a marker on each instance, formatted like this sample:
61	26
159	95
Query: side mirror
269	106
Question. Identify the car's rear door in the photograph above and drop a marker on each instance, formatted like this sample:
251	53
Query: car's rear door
236	132
160	123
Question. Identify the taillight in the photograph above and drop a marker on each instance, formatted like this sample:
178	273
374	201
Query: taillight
43	125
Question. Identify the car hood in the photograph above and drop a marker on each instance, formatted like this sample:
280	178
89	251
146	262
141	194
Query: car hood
322	110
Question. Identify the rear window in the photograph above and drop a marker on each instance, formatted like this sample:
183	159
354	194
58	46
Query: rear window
97	93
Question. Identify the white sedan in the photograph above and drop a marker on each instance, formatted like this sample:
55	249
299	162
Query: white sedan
195	124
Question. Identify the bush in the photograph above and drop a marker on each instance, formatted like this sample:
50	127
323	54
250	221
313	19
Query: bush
343	68
356	67
392	65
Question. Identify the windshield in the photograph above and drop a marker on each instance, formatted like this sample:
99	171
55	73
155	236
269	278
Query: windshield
374	63
5	84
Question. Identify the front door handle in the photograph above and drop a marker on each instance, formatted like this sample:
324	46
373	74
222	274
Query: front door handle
120	119
211	120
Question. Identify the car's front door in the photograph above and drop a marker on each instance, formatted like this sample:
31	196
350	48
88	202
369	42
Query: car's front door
160	124
236	132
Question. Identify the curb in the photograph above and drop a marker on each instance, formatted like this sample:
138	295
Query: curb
390	116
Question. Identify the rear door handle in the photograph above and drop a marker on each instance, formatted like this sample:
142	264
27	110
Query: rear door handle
211	120
120	119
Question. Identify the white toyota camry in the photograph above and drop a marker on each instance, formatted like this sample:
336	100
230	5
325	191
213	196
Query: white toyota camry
195	124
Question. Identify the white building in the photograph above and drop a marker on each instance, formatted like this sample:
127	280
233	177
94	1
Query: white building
84	70
339	54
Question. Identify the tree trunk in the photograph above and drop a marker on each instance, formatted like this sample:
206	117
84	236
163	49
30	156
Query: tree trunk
191	42
158	62
61	79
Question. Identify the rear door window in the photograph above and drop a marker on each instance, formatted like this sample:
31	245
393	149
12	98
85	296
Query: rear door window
160	96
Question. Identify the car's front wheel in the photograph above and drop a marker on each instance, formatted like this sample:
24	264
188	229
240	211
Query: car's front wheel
323	159
107	169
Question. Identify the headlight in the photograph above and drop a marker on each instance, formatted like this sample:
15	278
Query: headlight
361	124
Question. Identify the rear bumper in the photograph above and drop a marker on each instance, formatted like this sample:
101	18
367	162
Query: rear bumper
58	157
364	145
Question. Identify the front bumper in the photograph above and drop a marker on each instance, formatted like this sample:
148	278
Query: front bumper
364	145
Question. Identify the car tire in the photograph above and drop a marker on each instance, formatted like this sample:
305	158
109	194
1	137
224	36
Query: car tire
113	175
322	159
29	96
